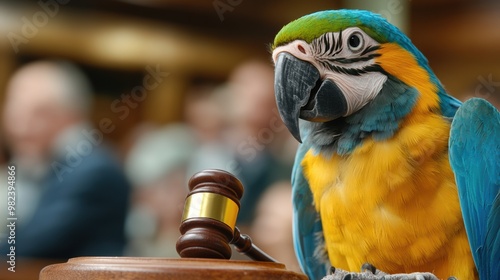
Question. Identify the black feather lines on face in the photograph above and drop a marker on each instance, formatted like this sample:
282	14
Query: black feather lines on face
326	47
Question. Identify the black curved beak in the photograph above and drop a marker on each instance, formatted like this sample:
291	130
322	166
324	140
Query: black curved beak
300	93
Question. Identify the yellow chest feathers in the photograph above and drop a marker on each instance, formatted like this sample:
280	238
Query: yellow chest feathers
392	203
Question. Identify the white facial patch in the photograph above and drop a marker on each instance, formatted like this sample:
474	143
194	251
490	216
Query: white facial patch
358	90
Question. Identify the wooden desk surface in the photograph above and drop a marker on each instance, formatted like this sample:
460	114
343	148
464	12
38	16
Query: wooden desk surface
26	269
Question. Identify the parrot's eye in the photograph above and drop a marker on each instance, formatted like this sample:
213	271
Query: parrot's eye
355	42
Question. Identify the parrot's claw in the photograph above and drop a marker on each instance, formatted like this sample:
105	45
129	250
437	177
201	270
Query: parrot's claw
368	267
369	272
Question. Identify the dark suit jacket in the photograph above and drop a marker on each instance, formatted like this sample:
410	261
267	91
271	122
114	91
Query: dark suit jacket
81	213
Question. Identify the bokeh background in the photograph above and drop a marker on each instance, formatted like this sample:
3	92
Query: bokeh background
209	100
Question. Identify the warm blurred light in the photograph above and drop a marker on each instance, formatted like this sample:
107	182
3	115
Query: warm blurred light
117	43
121	43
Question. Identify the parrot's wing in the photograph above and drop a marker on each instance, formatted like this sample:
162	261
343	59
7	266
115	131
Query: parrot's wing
308	236
475	159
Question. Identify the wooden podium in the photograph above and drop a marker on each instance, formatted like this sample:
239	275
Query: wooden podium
207	228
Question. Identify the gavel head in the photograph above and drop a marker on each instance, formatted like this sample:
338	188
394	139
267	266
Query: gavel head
209	217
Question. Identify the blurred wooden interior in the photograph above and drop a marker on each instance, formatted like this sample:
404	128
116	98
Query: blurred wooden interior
116	40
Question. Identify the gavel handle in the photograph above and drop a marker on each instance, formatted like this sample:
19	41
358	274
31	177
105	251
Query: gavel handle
244	245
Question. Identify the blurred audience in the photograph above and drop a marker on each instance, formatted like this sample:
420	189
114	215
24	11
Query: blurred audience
70	179
156	166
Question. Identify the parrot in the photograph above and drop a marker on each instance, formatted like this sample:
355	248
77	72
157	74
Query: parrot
381	176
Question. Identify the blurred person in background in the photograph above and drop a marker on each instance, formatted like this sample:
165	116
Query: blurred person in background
80	194
156	166
272	226
264	150
206	113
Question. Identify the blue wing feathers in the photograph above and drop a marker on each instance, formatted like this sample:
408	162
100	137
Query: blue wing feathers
307	227
493	238
475	159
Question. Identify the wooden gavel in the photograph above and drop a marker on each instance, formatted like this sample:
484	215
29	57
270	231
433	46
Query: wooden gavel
209	220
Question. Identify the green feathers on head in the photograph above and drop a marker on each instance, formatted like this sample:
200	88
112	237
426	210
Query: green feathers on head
312	26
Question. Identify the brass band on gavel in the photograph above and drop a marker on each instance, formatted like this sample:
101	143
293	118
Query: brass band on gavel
213	206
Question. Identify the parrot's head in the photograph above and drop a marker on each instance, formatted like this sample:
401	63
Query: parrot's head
329	65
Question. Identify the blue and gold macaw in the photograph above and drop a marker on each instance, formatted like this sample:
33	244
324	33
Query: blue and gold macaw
372	180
